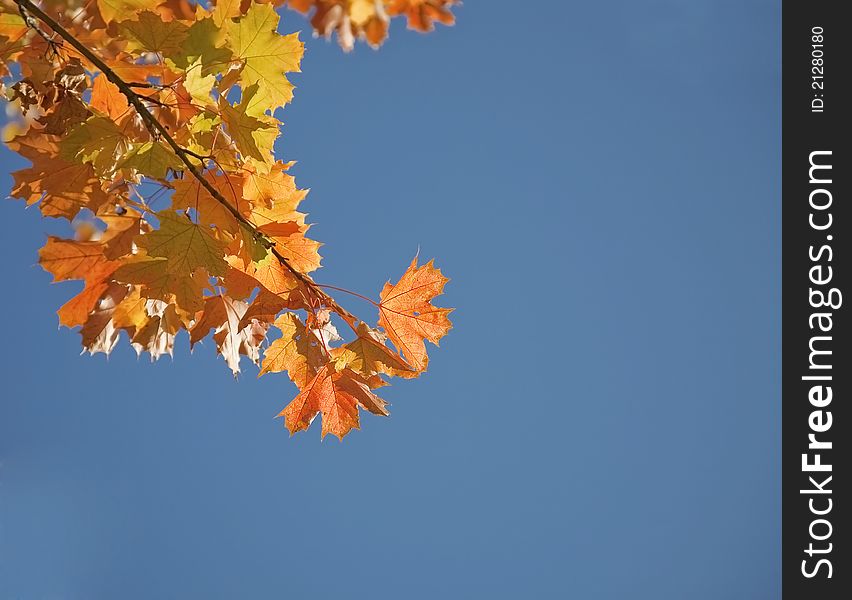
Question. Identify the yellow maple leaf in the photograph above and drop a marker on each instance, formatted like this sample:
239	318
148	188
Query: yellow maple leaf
369	355
266	56
254	136
296	351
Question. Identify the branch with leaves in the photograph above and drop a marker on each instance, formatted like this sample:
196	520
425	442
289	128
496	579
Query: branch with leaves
150	127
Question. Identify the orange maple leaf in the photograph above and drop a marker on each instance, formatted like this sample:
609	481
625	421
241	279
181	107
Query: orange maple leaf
406	313
338	396
423	13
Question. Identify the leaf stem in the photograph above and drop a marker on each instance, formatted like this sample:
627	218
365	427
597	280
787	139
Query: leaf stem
345	291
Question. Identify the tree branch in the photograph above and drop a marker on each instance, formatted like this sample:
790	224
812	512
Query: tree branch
157	129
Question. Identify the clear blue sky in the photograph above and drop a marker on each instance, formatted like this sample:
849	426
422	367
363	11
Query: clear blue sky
601	182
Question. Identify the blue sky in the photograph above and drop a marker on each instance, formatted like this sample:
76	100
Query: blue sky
601	182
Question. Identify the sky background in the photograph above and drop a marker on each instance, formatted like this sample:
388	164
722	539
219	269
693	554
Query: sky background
601	182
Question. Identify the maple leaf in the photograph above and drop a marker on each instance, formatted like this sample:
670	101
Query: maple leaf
97	282
265	56
319	324
337	395
296	351
71	259
65	111
368	19
422	14
108	100
253	135
99	333
275	198
275	188
157	335
153	159
268	273
266	306
204	49
190	194
351	19
301	252
60	187
149	33
97	141
131	313
187	245
232	339
408	316
122	227
111	9
160	281
369	355
225	10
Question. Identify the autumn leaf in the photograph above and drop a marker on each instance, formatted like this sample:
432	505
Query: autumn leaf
67	111
97	282
274	195
160	281
224	315
253	135
337	395
408	316
61	188
191	194
265	56
269	273
369	355
267	305
185	244
296	351
368	19
224	10
422	14
98	141
71	259
152	159
122	226
204	53
108	100
111	9
149	33
99	333
157	335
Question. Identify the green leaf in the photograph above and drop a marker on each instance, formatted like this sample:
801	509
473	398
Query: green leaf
151	34
153	159
186	245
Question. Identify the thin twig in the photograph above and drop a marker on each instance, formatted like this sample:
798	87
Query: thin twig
345	291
